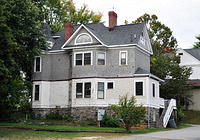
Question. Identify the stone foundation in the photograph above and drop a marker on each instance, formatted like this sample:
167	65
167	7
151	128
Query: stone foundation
87	113
42	112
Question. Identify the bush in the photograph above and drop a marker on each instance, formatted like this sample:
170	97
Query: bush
91	121
54	116
109	121
68	118
180	115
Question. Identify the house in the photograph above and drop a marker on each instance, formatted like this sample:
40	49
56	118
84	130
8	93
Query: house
90	66
191	58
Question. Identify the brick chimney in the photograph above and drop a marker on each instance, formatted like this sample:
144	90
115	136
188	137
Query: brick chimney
69	28
112	20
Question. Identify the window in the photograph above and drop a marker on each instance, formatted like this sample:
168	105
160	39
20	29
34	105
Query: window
153	89
123	58
87	58
180	53
83	39
139	88
100	92
79	90
110	85
101	59
37	90
84	58
78	59
87	90
37	64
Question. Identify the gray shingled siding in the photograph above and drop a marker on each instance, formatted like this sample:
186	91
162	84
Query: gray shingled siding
112	67
57	66
142	60
54	67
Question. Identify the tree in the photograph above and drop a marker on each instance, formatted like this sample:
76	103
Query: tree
164	61
21	39
128	113
197	44
57	12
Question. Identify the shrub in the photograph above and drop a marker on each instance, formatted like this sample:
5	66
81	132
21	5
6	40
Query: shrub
68	118
180	115
109	121
128	113
54	116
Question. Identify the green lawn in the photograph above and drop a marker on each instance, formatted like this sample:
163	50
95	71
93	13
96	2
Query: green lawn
6	133
40	135
191	117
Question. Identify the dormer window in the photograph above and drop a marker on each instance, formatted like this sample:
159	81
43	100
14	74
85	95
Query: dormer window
83	39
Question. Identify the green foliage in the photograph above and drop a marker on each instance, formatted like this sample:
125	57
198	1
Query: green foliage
68	118
109	121
58	12
54	116
180	115
128	113
21	39
197	44
164	61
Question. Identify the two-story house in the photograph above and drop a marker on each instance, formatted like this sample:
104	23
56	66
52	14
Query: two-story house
90	66
191	58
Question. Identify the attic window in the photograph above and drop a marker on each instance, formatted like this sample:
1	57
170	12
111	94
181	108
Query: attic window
83	39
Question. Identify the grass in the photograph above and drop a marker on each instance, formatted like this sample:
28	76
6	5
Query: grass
35	135
62	127
38	135
191	117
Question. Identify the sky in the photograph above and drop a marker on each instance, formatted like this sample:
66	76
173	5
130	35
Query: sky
181	16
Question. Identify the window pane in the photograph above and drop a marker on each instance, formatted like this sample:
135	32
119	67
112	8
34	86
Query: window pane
123	55
78	59
87	59
37	64
37	90
153	87
84	38
139	88
87	90
79	90
123	58
101	55
110	85
100	93
123	61
101	58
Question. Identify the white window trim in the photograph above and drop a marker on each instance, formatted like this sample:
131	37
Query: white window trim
83	90
40	64
40	89
152	89
83	58
120	52
83	42
105	86
142	89
110	82
97	58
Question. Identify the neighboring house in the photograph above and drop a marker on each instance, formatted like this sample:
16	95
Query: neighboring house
191	58
90	66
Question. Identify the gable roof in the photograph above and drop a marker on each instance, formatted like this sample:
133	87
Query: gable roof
120	35
195	52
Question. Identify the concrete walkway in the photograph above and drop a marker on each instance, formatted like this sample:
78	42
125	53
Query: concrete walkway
190	133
